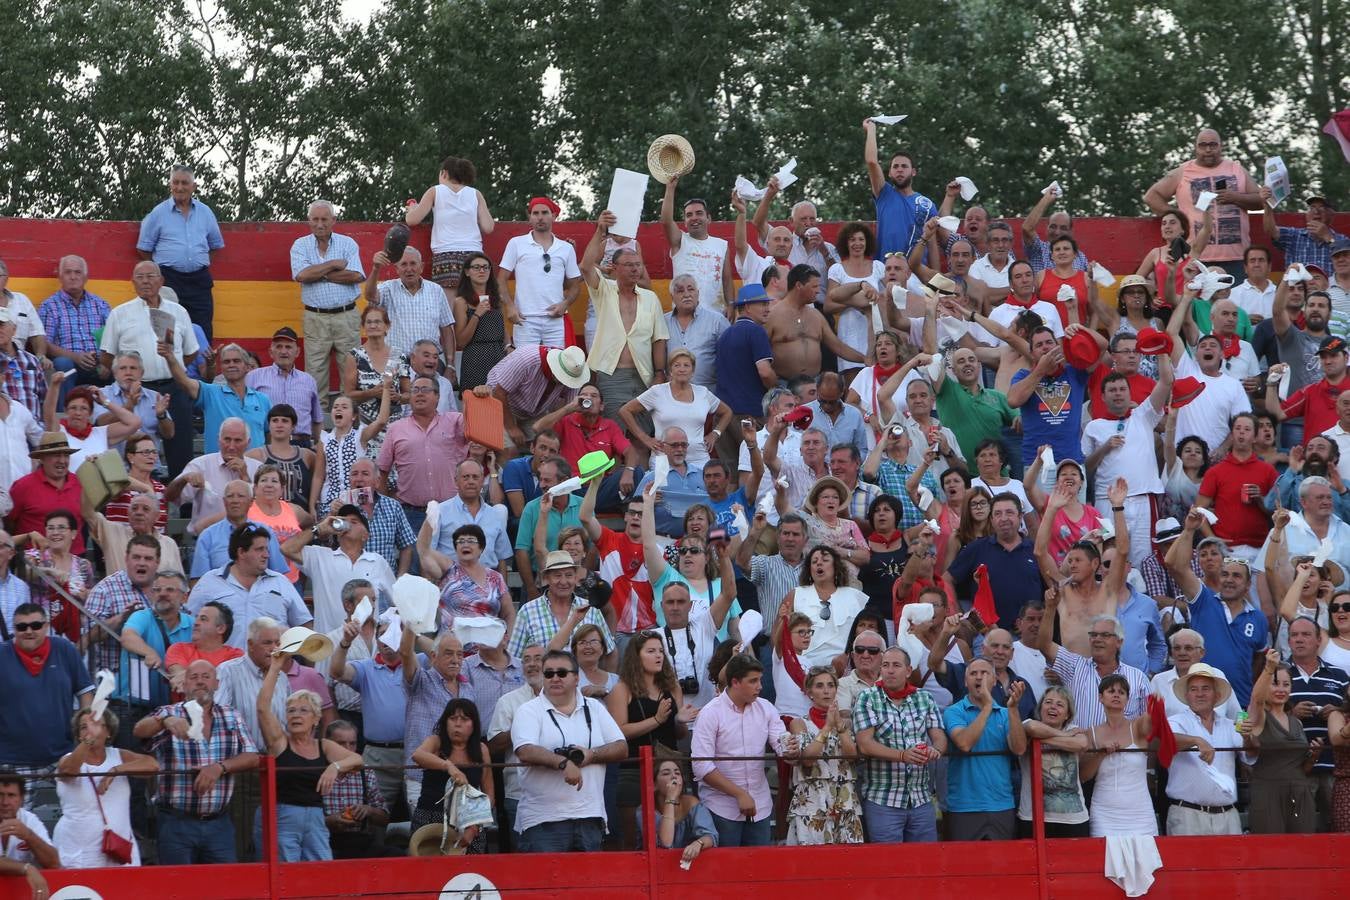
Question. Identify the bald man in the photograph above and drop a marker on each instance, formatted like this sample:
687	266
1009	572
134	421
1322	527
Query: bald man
418	309
808	245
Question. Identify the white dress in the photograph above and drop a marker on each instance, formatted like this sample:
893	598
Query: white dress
79	833
854	323
1121	803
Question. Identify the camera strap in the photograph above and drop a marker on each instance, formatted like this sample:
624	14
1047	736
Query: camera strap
689	638
585	711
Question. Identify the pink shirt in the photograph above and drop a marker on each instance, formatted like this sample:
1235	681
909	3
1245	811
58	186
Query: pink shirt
723	730
1067	532
1232	230
425	460
304	678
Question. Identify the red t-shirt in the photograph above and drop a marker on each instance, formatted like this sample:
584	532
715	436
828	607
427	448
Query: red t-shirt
1316	403
1240	523
624	568
1140	387
577	440
1049	292
34	497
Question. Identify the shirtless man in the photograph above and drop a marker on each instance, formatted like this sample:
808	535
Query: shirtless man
797	329
1084	597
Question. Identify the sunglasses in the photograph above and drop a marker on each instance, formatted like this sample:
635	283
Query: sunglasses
690	551
548	263
29	626
550	674
867	651
825	611
1331	607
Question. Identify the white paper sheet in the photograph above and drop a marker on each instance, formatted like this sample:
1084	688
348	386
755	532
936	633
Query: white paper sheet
746	190
417	601
1203	202
768	503
194	711
738	522
889	120
949	223
364	610
1066	294
394	633
486	631
785	175
434	518
565	487
933	524
968	188
1277	179
925	498
1102	275
934	367
1294	273
626	194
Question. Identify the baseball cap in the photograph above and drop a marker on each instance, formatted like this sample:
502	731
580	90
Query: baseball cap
1331	344
286	333
1341	246
351	509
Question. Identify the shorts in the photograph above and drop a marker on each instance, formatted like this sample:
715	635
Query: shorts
447	267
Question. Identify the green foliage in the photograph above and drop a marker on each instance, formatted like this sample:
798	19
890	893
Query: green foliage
280	101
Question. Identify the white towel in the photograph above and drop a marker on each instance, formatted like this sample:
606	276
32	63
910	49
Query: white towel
1131	860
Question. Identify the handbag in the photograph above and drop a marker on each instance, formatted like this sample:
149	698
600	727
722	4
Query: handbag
114	846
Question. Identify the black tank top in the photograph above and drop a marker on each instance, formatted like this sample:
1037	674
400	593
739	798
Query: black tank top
299	788
295	476
435	781
640	708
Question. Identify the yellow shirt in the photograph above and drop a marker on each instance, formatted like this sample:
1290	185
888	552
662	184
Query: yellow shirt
649	325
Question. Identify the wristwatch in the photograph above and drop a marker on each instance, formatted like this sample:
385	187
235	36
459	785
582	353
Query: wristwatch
562	765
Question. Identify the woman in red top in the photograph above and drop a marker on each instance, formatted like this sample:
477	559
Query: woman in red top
1159	262
1063	251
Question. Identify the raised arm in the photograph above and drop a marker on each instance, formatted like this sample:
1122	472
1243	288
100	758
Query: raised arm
1178	558
651	550
673	234
587	511
1256	707
1044	559
1115	576
875	176
595	250
434	563
1033	218
760	220
273	732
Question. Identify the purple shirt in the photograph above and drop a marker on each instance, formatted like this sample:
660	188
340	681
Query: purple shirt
723	730
298	389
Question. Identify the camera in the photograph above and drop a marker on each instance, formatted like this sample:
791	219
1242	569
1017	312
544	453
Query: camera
586	403
575	755
689	686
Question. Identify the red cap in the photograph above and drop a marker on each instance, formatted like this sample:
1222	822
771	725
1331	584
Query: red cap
535	201
800	417
1081	351
1184	390
1152	342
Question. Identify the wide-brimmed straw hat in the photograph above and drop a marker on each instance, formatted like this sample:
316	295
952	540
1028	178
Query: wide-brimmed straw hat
669	156
50	444
427	840
1222	689
568	366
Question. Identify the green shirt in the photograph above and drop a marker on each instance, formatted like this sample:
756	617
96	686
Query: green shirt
973	417
1200	313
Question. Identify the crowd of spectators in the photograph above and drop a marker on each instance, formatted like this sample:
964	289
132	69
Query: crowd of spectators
887	509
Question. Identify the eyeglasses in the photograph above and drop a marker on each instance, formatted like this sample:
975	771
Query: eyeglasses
480	267
590	642
867	651
805	632
1101	634
1331	607
550	674
424	389
29	626
548	263
148	451
54	526
466	540
677	445
1185	648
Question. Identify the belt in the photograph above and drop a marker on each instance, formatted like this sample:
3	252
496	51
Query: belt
1204	809
388	745
340	309
187	815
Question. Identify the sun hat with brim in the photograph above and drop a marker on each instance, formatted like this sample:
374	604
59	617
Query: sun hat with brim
594	464
1184	390
1166	531
669	156
829	481
50	444
1134	281
1330	570
568	366
1152	342
940	284
430	839
1222	689
304	642
1081	351
558	559
799	417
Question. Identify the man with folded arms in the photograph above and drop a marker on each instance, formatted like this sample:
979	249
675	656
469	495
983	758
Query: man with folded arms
328	268
1202	785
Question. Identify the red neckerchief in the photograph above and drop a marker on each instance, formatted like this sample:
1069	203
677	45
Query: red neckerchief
34	661
1299	320
884	372
900	695
791	663
782	261
80	435
392	667
1231	345
1027	304
887	540
817	716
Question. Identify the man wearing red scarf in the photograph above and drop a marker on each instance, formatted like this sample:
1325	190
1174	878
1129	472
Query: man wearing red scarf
41	677
899	732
1239	359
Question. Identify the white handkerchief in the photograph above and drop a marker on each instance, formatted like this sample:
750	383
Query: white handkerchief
925	498
768	503
889	120
933	524
782	482
746	189
565	487
1208	515
1047	459
434	516
1102	275
418	602
364	610
950	223
738	522
660	470
394	633
934	367
785	176
1066	294
1324	551
1205	199
1054	188
194	711
900	295
968	188
107	683
1294	273
752	623
1283	389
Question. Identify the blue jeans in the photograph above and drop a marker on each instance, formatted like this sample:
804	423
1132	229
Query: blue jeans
416	515
302	834
563	837
892	825
740	833
185	840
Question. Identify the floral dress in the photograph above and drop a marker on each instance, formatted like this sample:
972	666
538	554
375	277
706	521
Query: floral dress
462	596
64	618
843	536
824	808
367	377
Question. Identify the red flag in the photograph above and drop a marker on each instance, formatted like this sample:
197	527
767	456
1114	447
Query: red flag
1162	730
984	596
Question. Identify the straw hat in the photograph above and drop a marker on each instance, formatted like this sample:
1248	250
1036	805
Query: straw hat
1222	689
828	481
568	366
302	641
670	155
426	841
558	559
50	444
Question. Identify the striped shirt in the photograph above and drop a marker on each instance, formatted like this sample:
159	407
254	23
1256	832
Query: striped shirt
1080	676
184	757
535	625
1324	687
427	699
898	727
530	392
774	578
415	316
22	379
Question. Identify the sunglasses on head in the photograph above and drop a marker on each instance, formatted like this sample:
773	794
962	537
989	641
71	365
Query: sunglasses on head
1238	562
557	673
28	626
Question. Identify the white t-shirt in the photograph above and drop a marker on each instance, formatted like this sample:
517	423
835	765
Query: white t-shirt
454	222
544	795
128	329
27	321
18	850
667	412
705	641
1255	302
1245	364
751	267
537	290
1029	663
1342	439
788	698
1135	462
704	261
1004	314
987	272
1208	415
503	715
1013	487
853	323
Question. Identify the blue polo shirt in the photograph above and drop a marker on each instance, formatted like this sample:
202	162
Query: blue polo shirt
979	783
178	241
739	349
219	402
1231	642
1014	575
900	219
35	717
213	549
383	699
1054	414
146	687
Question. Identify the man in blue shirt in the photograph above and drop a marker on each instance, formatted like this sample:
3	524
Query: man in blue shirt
212	550
182	235
901	211
1009	560
744	356
1051	396
979	788
520	476
218	402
